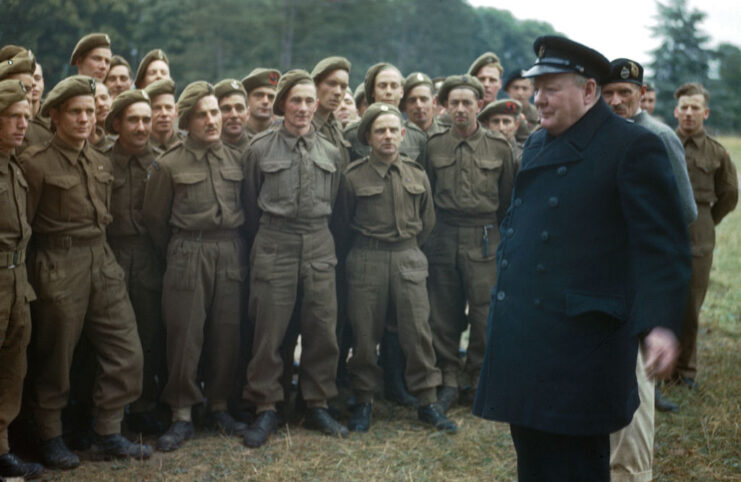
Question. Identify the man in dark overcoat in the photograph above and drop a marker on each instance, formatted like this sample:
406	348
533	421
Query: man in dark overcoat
594	257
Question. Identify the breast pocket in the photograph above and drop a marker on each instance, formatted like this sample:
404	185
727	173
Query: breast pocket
192	188
444	167
324	176
233	177
369	209
280	181
487	184
414	193
104	186
63	199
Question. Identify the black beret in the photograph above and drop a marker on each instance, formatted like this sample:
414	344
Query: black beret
516	75
625	70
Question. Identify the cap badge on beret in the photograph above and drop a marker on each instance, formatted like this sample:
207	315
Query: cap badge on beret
160	55
384	107
10	62
420	77
511	107
624	72
235	84
92	84
23	87
107	38
274	78
145	95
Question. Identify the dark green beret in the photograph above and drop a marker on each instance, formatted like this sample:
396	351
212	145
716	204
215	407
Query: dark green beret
66	89
359	94
120	104
188	99
625	70
370	79
261	77
88	43
11	91
559	55
370	114
286	83
229	87
503	106
117	60
9	51
515	75
328	65
22	63
159	87
488	58
413	80
457	81
151	56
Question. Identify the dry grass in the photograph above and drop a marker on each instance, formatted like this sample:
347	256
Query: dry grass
702	442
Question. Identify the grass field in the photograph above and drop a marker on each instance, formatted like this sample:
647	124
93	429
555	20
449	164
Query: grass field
701	442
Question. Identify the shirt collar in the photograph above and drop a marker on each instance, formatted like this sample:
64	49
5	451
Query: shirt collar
381	167
200	149
121	156
67	151
291	140
472	140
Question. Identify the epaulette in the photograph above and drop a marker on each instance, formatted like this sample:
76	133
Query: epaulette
352	125
412	126
409	160
356	163
718	145
496	135
438	134
33	150
172	147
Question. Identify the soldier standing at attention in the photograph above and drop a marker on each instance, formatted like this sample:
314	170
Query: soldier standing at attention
80	286
388	205
92	56
504	116
715	184
331	76
233	105
192	209
164	112
488	70
260	87
420	103
153	67
471	171
292	181
15	315
118	79
131	120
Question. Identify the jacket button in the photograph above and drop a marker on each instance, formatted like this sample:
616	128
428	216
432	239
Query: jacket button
561	171
504	263
553	201
540	268
518	202
500	296
510	232
537	302
544	236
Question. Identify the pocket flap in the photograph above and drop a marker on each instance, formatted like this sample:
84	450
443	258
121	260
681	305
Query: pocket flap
324	265
275	165
189	177
104	177
488	163
417	276
63	182
369	190
579	304
442	161
325	165
414	188
118	182
232	174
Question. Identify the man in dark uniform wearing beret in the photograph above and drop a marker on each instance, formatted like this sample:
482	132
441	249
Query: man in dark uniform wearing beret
594	257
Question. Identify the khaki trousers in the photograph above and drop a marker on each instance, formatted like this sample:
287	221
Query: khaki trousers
15	332
201	302
285	265
632	448
81	288
381	283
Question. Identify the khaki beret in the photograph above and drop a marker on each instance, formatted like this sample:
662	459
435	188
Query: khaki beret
328	65
120	104
66	89
151	56
261	77
117	60
286	83
228	87
23	63
9	51
11	91
488	58
192	93
159	87
413	80
370	79
359	94
373	111
503	106
457	81
88	43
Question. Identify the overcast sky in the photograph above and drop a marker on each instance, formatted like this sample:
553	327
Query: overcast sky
620	28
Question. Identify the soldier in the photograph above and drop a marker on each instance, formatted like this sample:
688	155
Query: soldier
164	112
648	99
488	70
233	104
384	83
471	171
39	129
715	185
504	116
15	315
131	155
79	284
388	205
38	89
20	67
631	454
260	86
98	137
292	181
154	66
192	209
420	104
347	112
521	89
331	76
92	56
118	79
360	102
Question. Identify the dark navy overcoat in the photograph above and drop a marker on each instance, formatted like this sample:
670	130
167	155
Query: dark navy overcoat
594	254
